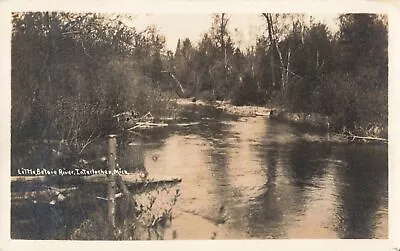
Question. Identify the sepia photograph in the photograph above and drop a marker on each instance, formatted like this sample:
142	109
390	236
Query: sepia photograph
198	126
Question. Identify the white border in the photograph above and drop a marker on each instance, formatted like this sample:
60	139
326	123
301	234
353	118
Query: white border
208	6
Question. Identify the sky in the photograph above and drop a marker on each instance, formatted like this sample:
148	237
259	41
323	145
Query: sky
244	28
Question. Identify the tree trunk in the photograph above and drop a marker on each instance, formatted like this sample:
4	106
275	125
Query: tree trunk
282	66
272	45
288	65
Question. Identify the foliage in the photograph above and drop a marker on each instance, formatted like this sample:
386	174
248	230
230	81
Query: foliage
147	219
72	72
246	92
301	66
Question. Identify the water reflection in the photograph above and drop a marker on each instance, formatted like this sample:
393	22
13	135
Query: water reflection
362	189
256	178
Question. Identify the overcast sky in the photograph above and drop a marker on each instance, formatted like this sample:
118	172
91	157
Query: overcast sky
243	28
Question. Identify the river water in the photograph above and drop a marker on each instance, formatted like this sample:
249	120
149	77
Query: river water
242	178
258	178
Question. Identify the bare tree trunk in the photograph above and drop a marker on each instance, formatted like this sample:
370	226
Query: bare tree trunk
178	87
223	27
272	45
282	66
272	38
223	32
288	64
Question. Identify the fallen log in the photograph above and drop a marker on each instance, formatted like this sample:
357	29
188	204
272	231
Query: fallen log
135	179
188	124
146	125
355	137
38	178
178	87
122	114
123	181
261	114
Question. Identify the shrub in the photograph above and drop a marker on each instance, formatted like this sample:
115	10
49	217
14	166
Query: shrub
350	102
246	92
69	80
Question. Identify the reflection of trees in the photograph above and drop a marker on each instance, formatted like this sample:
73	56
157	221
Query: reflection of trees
217	134
290	167
363	188
295	174
265	216
214	132
304	166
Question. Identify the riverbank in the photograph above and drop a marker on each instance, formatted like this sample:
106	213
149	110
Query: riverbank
226	106
372	133
215	155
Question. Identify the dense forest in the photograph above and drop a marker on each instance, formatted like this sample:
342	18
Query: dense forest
300	66
71	72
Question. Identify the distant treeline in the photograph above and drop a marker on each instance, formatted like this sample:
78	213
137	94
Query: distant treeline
299	65
71	72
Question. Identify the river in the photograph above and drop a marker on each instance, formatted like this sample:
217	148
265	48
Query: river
242	178
253	177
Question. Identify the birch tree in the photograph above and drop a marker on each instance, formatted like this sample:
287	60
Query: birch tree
279	27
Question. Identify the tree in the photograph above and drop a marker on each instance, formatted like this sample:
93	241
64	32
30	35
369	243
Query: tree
359	49
224	48
71	72
281	28
203	61
183	63
312	60
268	17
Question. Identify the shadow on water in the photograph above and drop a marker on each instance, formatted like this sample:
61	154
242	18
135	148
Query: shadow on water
319	189
362	191
43	214
290	169
245	178
270	181
265	216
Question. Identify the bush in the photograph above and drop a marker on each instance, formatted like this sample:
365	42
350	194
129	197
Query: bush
69	80
246	92
351	103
